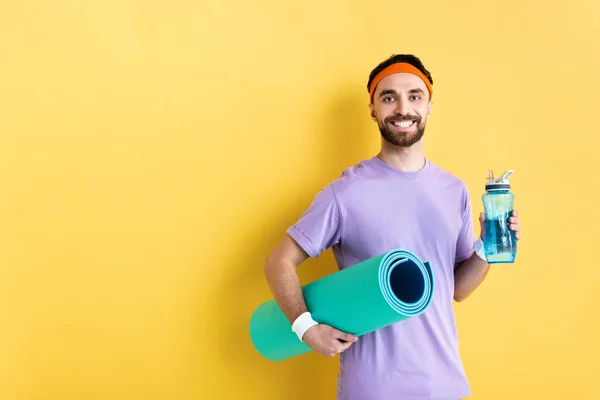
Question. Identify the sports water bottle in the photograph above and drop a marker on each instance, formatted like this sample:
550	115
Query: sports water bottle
499	242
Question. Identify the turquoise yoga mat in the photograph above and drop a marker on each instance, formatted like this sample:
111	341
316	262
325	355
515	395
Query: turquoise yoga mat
367	296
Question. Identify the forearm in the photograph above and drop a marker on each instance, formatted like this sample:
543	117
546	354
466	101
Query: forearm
286	288
468	276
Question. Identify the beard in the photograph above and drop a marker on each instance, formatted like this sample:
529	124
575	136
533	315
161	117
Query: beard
402	139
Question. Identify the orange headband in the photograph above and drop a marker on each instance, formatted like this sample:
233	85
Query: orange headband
397	68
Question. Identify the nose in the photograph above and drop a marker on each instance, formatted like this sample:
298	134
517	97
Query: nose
402	106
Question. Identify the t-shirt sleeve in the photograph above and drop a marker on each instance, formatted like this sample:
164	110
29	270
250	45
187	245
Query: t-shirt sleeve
464	245
319	226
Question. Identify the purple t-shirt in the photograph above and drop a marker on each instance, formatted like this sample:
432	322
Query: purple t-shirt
371	209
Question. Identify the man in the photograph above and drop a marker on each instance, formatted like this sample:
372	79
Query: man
396	199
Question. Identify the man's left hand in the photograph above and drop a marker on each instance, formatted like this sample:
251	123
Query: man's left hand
513	224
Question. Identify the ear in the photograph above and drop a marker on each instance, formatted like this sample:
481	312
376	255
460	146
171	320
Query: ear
429	109
373	112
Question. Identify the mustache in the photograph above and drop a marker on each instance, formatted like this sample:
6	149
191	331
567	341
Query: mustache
400	118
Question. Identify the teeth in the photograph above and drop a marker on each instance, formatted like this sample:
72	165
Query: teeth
403	124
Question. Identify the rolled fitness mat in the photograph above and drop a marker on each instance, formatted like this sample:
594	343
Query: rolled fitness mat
367	296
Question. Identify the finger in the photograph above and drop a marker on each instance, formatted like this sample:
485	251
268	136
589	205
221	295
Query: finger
482	225
518	235
340	347
513	220
345	336
515	213
514	227
344	347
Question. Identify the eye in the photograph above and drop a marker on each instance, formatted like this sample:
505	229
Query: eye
415	97
387	99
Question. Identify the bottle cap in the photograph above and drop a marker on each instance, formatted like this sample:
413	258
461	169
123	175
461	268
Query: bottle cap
502	183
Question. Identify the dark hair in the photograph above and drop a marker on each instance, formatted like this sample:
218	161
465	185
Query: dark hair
397	58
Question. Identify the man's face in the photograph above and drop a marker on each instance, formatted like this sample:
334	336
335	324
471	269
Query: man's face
401	107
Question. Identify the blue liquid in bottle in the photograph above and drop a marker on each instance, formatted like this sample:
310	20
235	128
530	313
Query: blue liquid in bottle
499	242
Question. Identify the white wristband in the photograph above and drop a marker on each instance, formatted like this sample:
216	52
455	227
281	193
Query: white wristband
302	323
479	250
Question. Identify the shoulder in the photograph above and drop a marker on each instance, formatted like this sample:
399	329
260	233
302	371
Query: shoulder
452	188
354	177
349	179
447	179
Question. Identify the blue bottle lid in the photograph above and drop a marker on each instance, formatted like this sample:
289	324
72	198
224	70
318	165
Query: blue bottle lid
502	183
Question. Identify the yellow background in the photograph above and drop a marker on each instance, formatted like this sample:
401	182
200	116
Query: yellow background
152	153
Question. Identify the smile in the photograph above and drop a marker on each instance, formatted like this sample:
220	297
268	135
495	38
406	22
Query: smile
403	124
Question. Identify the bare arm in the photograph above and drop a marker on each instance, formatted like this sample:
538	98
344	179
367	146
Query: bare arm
468	276
471	273
280	272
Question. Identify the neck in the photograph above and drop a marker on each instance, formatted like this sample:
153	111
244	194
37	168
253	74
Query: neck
409	159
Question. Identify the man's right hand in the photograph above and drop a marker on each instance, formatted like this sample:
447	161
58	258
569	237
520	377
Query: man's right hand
324	339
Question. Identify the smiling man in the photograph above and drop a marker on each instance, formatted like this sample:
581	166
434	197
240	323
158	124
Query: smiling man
396	199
